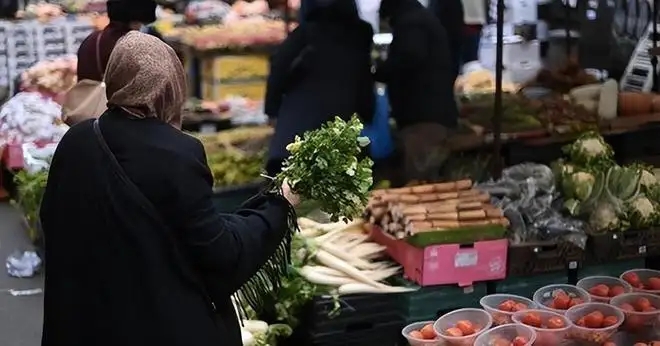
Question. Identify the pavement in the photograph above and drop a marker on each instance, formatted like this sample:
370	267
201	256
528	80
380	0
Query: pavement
20	317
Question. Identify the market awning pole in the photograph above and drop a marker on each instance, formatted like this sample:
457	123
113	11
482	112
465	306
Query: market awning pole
499	67
654	58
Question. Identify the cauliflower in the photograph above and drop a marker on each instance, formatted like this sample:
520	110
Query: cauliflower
642	212
647	180
588	150
578	185
605	218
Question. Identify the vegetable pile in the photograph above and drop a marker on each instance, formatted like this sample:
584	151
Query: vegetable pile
404	212
30	190
324	166
236	156
330	259
610	197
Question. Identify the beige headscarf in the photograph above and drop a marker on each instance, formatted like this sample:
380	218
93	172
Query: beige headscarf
145	77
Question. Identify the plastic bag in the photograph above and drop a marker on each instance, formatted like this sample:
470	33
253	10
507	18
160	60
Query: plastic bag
526	194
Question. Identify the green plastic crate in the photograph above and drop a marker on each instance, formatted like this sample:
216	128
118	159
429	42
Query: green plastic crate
526	285
430	302
611	269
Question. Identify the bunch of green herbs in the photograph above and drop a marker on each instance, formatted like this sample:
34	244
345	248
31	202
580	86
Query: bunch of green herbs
326	166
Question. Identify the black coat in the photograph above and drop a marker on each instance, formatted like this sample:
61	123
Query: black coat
418	71
451	15
322	70
115	275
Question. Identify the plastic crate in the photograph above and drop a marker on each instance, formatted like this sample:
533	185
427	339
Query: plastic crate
526	286
543	257
429	303
615	247
610	269
363	319
228	199
653	242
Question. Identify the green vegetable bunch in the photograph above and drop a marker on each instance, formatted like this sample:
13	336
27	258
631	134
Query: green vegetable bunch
324	166
30	190
610	197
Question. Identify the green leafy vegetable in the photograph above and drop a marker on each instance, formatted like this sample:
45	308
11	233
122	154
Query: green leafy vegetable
324	167
30	190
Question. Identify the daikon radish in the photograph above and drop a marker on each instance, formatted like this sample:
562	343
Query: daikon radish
327	271
322	279
337	230
247	338
255	327
304	222
357	262
381	274
310	232
367	249
331	261
364	288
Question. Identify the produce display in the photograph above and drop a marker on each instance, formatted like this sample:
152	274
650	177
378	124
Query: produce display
30	190
647	280
608	196
503	306
551	328
594	322
42	11
564	78
604	288
407	211
640	309
51	77
333	259
31	117
560	298
552	113
236	156
253	31
480	81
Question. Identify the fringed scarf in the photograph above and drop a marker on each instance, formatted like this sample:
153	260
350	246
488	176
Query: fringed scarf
268	280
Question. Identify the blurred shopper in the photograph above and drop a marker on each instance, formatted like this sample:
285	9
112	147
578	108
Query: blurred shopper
321	70
451	15
420	75
87	98
137	253
475	18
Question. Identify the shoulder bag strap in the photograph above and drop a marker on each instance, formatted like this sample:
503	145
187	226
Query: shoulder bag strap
99	65
152	211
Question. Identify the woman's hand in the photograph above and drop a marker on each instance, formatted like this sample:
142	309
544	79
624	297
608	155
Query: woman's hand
293	198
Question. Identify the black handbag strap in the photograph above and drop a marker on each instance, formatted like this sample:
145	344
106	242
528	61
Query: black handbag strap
135	191
151	210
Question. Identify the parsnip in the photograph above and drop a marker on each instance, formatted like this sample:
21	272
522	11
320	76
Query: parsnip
331	261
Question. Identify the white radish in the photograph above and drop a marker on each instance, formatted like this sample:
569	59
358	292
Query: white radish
327	271
310	232
381	274
255	327
357	262
364	288
321	279
333	262
247	338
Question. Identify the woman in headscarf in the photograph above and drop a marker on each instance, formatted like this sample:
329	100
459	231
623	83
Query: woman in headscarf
86	99
321	70
137	254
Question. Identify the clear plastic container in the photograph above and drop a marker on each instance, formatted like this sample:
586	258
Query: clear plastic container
644	275
480	319
492	304
506	333
419	342
593	335
609	281
544	335
638	321
545	296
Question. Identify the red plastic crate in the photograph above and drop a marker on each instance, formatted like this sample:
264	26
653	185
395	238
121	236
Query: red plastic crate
462	264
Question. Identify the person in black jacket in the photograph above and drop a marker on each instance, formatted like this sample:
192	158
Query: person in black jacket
137	253
321	70
451	16
420	75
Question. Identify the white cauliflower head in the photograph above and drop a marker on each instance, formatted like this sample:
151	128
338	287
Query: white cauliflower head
643	206
647	179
